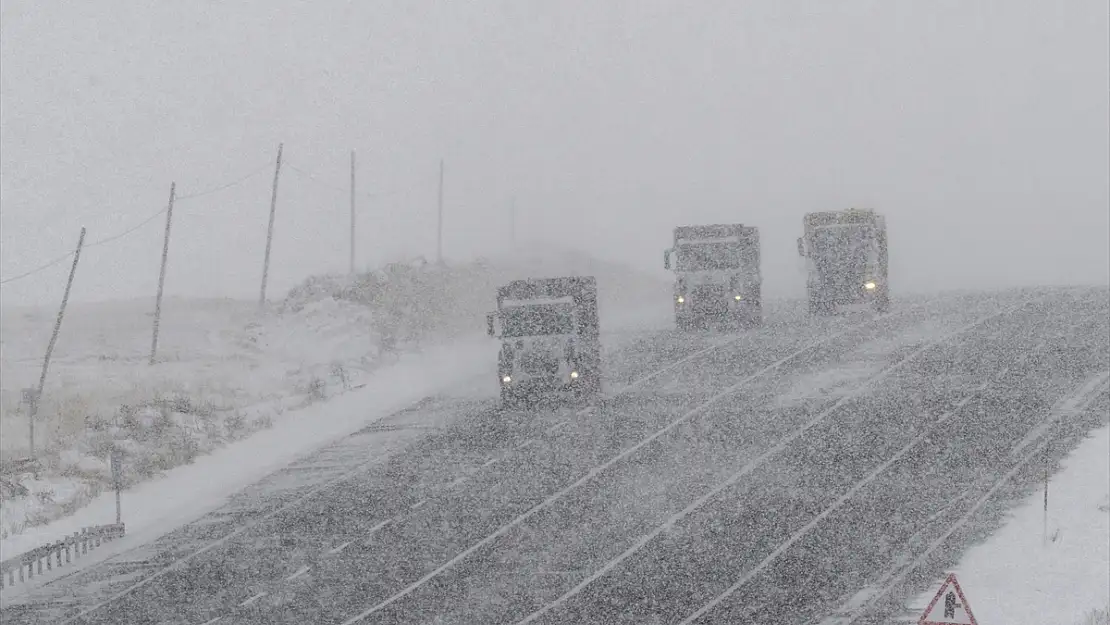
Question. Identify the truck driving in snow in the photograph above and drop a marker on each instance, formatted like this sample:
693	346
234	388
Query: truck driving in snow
550	340
717	275
846	259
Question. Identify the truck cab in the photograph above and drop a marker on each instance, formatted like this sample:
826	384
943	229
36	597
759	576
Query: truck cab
846	259
550	341
717	275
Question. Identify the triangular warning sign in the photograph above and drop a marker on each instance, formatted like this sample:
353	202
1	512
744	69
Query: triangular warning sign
949	606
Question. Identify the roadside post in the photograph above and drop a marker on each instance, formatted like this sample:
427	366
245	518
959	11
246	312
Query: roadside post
31	401
117	478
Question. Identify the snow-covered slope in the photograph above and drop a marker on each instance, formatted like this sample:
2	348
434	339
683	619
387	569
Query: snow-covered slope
226	370
1049	567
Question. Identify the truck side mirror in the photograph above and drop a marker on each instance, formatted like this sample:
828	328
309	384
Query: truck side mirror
489	324
666	259
801	247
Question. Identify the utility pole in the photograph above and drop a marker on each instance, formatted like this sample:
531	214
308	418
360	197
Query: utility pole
162	275
54	339
439	231
270	231
352	266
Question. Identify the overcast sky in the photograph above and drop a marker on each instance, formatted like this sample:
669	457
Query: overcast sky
980	128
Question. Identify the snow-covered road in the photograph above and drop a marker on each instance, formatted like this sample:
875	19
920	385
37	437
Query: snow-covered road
719	489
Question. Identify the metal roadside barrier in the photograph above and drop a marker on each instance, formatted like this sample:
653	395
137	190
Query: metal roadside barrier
89	538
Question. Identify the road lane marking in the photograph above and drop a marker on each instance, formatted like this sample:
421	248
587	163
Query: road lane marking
1070	405
339	548
457	481
215	620
379	526
300	571
526	443
490	461
252	599
555	427
419	503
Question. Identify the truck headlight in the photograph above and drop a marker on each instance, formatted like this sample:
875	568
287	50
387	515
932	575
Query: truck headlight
574	375
506	379
869	285
680	299
737	298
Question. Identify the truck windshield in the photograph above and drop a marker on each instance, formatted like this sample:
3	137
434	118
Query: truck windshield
709	256
848	248
537	320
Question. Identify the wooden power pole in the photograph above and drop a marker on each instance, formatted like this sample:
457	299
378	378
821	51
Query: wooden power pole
270	230
33	412
162	275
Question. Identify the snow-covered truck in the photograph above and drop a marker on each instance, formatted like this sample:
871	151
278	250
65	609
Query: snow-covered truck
550	338
846	259
717	275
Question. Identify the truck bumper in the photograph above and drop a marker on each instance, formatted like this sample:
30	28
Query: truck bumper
716	310
848	294
535	388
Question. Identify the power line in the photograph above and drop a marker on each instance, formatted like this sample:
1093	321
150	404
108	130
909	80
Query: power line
265	166
37	269
373	195
313	178
144	222
129	230
93	244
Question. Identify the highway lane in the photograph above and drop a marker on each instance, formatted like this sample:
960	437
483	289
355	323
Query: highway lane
256	561
408	546
740	544
468	428
330	557
558	549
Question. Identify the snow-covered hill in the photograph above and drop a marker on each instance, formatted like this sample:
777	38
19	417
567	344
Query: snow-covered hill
225	370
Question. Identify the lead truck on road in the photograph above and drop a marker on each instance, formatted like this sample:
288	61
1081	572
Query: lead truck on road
717	275
846	259
550	340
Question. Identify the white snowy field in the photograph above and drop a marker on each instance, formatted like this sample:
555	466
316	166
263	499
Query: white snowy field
1032	573
226	371
158	505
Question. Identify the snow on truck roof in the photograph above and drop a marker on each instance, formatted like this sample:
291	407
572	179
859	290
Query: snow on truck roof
703	240
856	225
538	301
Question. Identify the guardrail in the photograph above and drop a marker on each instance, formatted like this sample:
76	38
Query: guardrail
81	543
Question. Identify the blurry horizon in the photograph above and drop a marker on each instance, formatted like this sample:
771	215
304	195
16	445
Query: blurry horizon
981	130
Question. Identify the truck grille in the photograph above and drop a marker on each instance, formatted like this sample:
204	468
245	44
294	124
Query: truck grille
708	292
539	364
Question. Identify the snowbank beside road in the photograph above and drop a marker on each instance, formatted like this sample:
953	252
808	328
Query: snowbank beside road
1022	577
184	492
226	372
